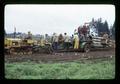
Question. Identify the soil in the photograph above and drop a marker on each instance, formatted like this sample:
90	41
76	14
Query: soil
61	56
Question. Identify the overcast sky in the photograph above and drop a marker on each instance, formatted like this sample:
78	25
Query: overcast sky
42	19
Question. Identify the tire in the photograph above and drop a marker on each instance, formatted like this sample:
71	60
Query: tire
29	50
11	51
49	49
86	48
6	51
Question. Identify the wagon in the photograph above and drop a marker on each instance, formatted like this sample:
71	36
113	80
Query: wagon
98	43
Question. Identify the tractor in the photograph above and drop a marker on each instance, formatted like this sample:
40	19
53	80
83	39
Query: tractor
25	46
15	46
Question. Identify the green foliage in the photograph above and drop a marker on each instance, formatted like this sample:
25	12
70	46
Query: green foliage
89	69
113	31
101	26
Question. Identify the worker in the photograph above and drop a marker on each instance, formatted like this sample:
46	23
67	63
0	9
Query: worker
29	35
60	38
84	30
105	37
89	39
75	31
79	30
46	38
76	39
66	41
55	41
72	40
42	41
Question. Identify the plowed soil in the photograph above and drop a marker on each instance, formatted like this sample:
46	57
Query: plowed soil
62	56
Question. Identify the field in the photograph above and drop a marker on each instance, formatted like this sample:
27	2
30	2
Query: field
65	56
93	65
87	69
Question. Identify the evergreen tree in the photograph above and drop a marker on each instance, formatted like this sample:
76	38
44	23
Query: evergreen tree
102	27
106	28
113	31
99	26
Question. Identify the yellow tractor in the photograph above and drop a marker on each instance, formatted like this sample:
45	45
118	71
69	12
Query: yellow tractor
15	46
26	45
11	43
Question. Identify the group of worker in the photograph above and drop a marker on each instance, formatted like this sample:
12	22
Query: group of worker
57	40
78	37
67	40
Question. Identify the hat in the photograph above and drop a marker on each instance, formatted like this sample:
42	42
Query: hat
75	31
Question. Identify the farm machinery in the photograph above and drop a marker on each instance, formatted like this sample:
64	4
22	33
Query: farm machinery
84	46
24	46
29	46
15	45
96	43
100	43
91	42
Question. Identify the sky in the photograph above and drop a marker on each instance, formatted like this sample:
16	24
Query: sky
49	18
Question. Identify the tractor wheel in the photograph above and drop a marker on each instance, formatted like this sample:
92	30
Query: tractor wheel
12	50
86	48
50	50
30	51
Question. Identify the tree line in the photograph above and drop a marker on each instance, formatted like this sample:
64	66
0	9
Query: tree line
103	27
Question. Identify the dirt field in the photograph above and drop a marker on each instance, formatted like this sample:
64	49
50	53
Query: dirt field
64	56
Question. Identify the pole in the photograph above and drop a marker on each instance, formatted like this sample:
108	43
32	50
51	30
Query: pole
14	32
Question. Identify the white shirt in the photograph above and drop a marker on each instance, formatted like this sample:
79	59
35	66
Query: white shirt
55	38
66	38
